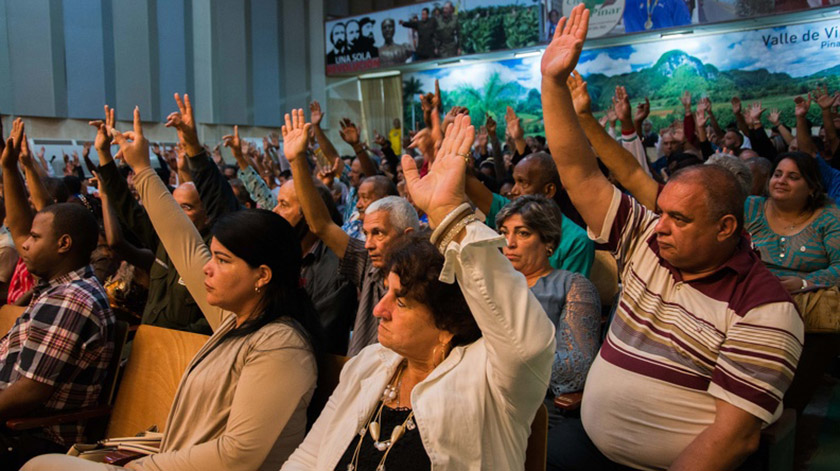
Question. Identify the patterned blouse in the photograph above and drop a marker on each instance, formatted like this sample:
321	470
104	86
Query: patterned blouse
813	254
572	303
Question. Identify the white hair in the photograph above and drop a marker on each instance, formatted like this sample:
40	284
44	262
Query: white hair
400	212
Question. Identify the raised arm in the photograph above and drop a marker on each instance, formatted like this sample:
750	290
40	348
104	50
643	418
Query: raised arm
620	162
498	160
351	135
827	102
803	130
37	191
215	192
255	185
295	136
327	147
588	189
761	143
775	118
514	128
740	120
518	335
139	257
177	233
18	215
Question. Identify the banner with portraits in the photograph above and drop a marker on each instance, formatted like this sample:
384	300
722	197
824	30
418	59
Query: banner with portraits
437	30
445	29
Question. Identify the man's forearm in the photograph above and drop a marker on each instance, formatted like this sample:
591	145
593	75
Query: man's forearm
22	397
325	144
18	215
803	136
714	450
368	167
40	196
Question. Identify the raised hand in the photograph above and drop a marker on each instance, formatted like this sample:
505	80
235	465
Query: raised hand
736	105
514	124
102	142
621	103
25	154
134	147
642	111
611	116
580	95
442	189
232	142
183	121
379	139
755	111
11	149
327	175
700	117
296	134
349	132
685	99
822	97
802	106
450	117
436	100
490	126
562	54
775	116
315	113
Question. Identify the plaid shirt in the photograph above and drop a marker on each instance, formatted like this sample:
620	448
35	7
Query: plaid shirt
65	338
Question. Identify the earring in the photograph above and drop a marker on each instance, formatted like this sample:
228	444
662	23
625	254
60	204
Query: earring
550	251
256	288
443	352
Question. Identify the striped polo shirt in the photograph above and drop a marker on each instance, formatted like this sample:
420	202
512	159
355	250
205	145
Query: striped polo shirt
676	346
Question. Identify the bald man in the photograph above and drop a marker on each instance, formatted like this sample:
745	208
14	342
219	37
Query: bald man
696	387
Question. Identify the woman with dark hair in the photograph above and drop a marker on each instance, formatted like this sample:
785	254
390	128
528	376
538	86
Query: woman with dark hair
796	229
464	353
241	405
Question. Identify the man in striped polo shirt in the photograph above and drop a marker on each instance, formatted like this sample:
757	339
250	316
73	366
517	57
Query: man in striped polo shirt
705	340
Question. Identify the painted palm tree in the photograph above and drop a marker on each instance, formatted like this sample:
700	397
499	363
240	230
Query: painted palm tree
411	88
493	97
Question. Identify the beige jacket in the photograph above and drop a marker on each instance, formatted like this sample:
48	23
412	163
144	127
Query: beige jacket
241	405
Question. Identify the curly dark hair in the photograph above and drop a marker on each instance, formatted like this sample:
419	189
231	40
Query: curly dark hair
418	264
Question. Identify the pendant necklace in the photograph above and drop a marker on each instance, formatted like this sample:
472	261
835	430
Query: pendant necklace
391	393
649	9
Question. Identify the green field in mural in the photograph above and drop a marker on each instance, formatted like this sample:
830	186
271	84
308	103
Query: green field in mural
744	64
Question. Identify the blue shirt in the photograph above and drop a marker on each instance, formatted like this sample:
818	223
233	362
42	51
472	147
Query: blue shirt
665	14
830	178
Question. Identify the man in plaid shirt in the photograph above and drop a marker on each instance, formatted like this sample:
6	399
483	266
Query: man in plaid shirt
56	356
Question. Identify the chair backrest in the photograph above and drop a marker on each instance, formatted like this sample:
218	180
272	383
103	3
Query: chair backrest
536	453
8	315
157	362
329	370
604	276
120	337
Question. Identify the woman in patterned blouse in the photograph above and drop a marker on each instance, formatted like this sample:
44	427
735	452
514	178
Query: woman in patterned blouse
532	226
796	229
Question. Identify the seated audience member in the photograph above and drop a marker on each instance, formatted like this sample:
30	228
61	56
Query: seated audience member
760	168
241	405
372	189
334	297
56	356
255	186
829	175
361	262
737	167
8	254
169	303
485	335
536	174
532	228
690	279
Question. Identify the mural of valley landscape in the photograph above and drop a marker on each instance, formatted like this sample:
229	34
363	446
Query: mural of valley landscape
774	65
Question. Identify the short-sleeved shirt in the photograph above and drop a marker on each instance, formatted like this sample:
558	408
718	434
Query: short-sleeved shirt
357	268
575	252
65	339
812	254
676	346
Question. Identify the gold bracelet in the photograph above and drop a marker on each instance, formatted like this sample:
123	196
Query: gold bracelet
454	231
450	218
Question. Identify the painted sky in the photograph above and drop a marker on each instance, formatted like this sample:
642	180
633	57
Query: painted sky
741	51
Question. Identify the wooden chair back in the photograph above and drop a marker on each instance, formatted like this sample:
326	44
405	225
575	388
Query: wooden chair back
8	315
157	362
329	370
604	276
536	453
